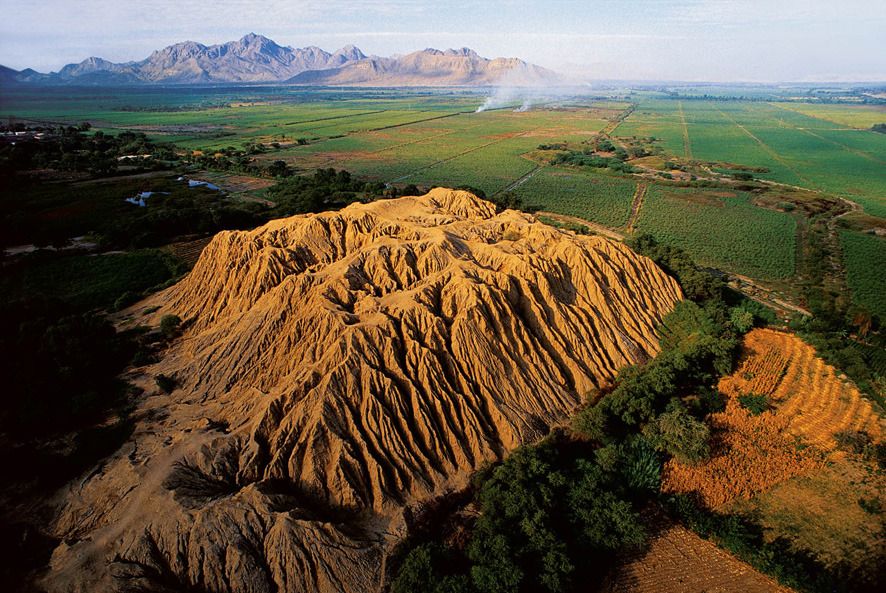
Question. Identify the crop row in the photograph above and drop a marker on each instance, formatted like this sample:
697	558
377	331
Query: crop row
722	229
864	257
599	198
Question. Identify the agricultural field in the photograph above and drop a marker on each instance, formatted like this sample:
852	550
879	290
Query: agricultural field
722	229
598	198
429	138
677	560
865	257
852	116
830	509
797	148
804	408
806	391
659	119
829	512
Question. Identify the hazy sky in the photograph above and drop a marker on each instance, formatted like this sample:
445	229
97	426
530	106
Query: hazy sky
716	40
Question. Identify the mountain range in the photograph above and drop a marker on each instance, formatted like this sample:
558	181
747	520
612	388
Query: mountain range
257	59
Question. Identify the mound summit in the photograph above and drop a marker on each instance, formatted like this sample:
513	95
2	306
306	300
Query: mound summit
337	367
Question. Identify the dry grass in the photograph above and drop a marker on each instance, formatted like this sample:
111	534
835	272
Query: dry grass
749	454
820	512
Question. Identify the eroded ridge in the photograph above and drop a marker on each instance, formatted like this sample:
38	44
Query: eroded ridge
336	367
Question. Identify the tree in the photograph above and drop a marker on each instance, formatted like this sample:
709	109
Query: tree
742	319
679	434
279	169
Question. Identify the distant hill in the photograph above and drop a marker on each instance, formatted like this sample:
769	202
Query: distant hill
257	59
429	67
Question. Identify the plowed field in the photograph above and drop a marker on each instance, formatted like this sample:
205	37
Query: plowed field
679	561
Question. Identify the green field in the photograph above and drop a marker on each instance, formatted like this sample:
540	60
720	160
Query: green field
722	230
853	116
435	138
865	259
86	281
803	149
599	198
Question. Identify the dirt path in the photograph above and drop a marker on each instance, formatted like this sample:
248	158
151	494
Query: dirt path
593	226
611	126
687	147
765	147
636	205
520	181
837	271
764	295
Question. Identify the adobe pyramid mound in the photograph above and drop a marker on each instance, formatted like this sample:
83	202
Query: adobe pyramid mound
339	366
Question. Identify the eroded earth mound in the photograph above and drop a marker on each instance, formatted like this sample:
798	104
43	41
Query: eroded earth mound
337	367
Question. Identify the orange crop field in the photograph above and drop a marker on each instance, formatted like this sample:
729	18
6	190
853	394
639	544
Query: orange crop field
809	405
804	389
749	454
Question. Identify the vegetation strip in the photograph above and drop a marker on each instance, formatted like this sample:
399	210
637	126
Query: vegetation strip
418	121
521	180
687	147
636	205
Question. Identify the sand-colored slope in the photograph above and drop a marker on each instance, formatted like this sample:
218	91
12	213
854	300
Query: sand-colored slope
336	367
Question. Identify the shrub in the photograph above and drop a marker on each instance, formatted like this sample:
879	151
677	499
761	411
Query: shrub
166	383
126	299
169	326
870	505
642	466
755	403
742	319
862	444
421	572
507	200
